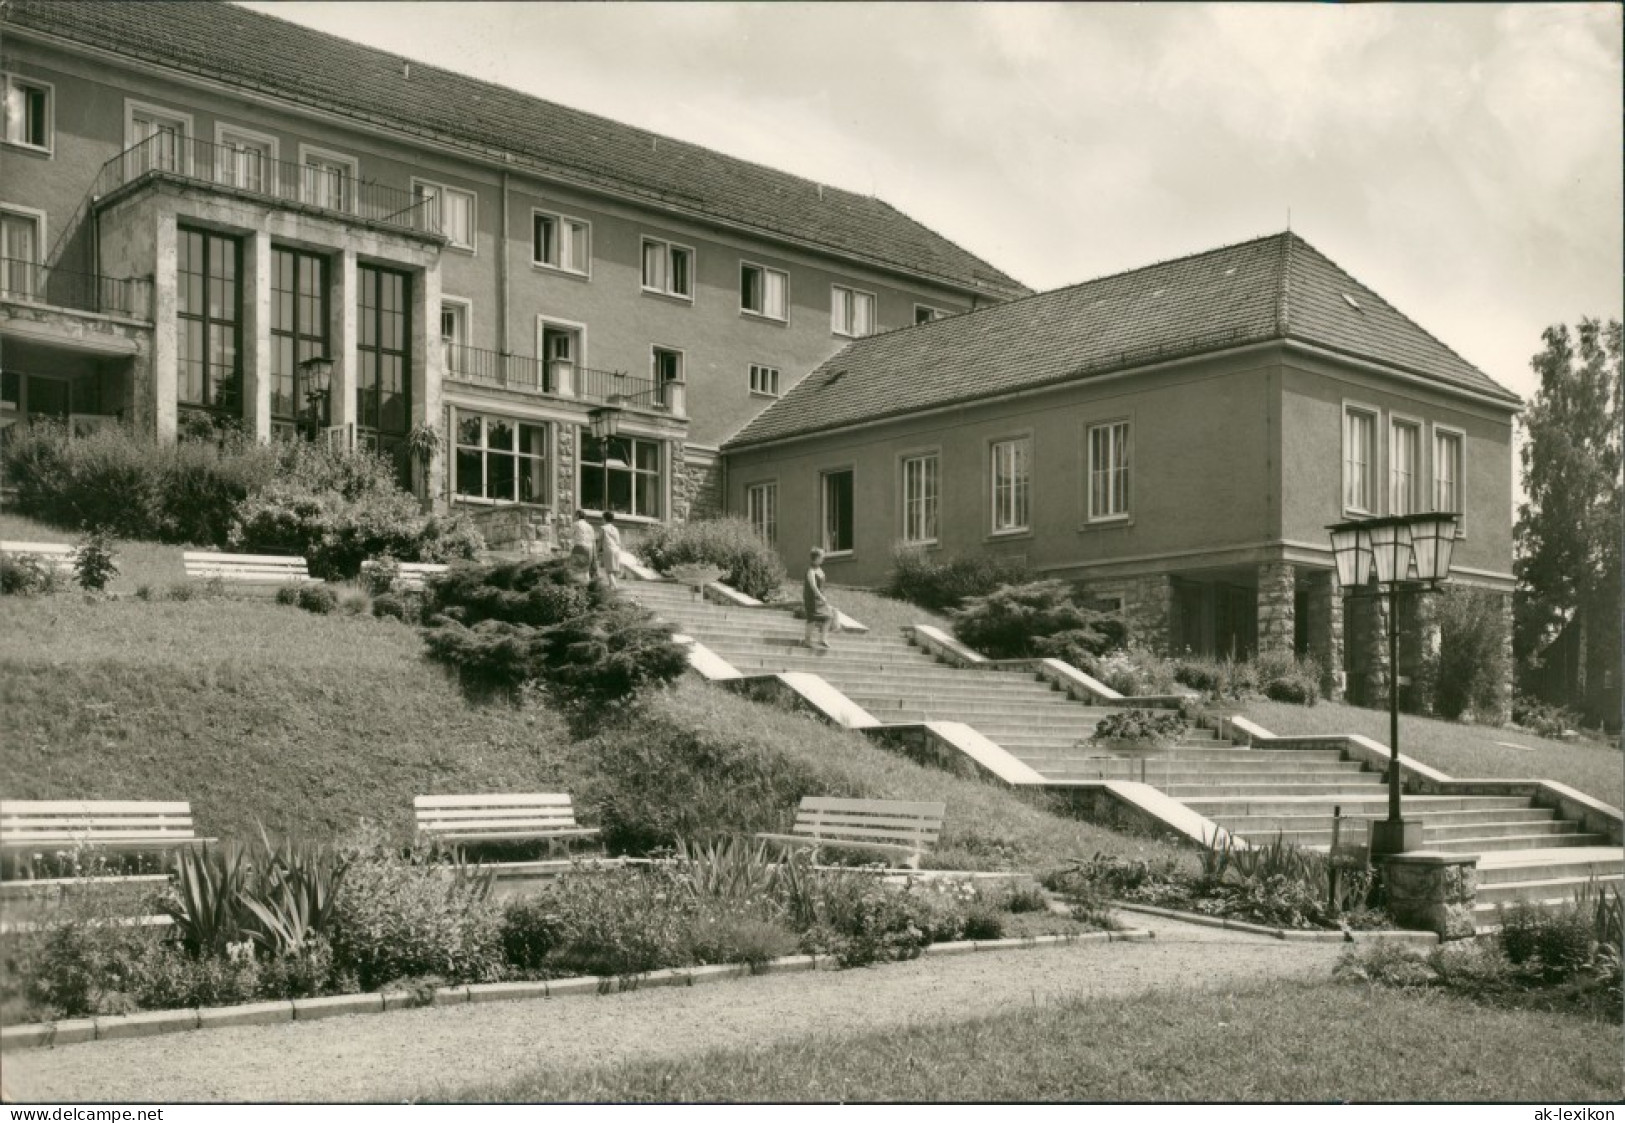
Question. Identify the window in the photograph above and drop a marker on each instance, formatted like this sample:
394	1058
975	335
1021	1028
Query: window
299	331
28	113
20	242
668	269
837	492
209	304
763	291
1404	464
764	380
1359	461
157	138
562	348
500	460
561	243
762	510
454	315
329	179
924	313
1108	471
1447	467
449	208
384	380
621	474
1011	484
920	498
851	312
666	365
244	159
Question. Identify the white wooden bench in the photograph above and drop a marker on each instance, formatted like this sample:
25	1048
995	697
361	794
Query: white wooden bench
409	575
883	825
52	555
508	817
127	825
271	570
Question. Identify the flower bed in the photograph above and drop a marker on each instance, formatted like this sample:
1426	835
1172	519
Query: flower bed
287	921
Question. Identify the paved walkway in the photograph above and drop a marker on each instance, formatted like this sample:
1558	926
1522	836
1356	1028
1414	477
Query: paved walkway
431	1053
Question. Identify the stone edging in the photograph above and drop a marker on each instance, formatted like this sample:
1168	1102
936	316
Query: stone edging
154	1022
1296	935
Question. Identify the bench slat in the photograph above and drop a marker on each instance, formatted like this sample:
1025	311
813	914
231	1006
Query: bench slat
10	807
515	836
816	843
873	806
847	819
507	799
117	823
865	833
500	825
207	556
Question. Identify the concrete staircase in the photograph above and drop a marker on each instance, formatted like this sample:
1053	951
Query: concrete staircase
1527	852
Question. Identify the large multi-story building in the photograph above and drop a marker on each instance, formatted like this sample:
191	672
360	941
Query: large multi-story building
200	204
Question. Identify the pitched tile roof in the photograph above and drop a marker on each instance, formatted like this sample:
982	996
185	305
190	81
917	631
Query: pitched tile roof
1276	287
245	48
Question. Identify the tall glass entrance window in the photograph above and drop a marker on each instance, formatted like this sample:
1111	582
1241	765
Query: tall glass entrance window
299	331
384	351
209	310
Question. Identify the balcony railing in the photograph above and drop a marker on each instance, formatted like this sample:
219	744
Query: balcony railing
245	169
555	376
32	283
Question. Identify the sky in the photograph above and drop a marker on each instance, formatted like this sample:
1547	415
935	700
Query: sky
1464	161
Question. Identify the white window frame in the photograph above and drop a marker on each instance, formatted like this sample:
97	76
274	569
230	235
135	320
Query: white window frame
762	509
466	308
559	219
670	248
654	363
352	174
663	473
824	539
472	245
1416	497
224	134
1371	497
763	314
38	218
1020	497
1460	437
1118	492
936	313
543	322
843	308
928	503
549	439
764	381
133	107
49	147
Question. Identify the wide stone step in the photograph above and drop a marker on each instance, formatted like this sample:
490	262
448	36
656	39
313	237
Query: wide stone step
1167	779
1365	805
1294	824
1434	831
854	662
1016	689
1550	892
794	632
1033	712
1267	787
1607	862
1515	842
1223	754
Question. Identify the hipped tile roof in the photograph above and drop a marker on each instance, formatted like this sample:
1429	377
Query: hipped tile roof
1272	288
247	49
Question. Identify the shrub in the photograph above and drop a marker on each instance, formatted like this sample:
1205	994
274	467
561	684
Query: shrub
750	564
319	599
1139	727
93	564
1285	677
24	575
288	594
618	922
381	576
655	782
395	607
403	915
1022	621
943	586
355	602
1557	942
529	930
1543	718
532	592
1471	665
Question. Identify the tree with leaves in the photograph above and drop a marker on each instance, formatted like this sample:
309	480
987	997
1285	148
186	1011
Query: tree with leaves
1568	532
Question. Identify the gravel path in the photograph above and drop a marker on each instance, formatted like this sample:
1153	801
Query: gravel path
430	1053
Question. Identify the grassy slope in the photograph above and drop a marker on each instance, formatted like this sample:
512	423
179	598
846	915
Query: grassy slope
1301	1042
140	563
1461	751
258	712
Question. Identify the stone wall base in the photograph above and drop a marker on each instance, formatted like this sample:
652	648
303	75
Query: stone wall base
1432	891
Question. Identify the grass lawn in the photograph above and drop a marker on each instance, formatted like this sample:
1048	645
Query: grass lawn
1462	751
140	563
262	713
883	615
1315	1042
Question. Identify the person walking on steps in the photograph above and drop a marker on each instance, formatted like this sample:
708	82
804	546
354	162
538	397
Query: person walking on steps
815	605
581	543
609	550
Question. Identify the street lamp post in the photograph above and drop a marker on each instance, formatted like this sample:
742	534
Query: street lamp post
1397	552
